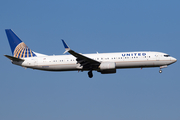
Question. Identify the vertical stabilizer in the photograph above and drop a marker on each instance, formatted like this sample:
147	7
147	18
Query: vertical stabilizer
19	49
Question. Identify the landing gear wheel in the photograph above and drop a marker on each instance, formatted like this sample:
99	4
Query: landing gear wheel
90	74
160	71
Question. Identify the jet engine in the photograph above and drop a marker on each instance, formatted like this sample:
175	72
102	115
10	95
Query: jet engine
107	67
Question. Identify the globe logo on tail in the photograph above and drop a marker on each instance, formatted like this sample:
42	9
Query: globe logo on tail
22	51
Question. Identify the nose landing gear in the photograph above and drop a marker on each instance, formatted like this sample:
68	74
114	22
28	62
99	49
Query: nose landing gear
160	71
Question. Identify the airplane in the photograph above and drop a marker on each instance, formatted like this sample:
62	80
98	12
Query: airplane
105	63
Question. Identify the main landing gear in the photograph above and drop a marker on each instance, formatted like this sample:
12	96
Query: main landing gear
90	74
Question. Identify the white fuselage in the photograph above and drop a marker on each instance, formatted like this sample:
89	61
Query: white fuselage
122	60
105	63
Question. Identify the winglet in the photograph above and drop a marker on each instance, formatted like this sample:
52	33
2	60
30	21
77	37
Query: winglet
66	46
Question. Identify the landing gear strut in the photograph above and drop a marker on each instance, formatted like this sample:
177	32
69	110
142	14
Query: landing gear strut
160	71
90	74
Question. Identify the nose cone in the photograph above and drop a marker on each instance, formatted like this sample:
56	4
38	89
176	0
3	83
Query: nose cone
173	60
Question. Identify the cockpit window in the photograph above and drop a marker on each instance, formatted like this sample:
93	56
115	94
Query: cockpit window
166	55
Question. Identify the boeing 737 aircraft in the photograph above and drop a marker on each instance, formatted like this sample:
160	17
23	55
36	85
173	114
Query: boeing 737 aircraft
104	63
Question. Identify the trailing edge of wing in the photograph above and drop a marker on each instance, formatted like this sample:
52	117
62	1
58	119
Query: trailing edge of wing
13	58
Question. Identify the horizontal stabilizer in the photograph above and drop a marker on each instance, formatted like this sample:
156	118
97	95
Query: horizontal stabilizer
13	58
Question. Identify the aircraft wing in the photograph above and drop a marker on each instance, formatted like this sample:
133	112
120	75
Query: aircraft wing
86	62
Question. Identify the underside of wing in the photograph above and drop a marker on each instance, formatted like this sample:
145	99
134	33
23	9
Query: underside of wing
86	62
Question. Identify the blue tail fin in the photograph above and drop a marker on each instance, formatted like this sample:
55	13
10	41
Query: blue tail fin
19	49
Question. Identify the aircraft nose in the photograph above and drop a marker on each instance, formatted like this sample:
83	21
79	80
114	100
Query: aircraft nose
173	59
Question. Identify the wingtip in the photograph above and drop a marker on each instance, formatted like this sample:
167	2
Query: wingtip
65	45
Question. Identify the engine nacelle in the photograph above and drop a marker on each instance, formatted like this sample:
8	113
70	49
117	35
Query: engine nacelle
107	67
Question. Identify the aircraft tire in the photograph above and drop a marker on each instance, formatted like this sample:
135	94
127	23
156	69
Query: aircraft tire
90	74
